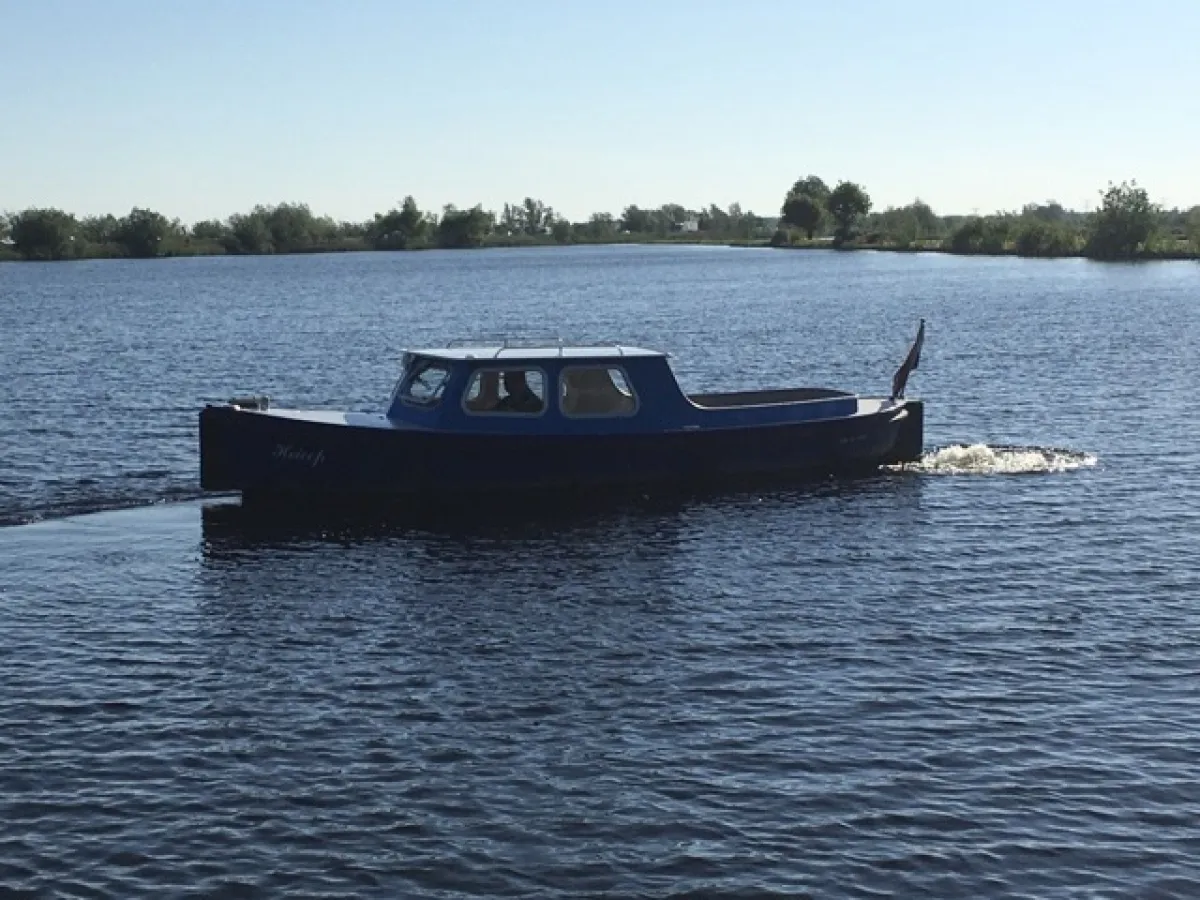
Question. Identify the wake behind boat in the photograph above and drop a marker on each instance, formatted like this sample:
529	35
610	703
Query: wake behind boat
465	421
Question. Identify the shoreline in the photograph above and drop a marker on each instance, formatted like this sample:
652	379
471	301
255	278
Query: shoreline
759	244
7	254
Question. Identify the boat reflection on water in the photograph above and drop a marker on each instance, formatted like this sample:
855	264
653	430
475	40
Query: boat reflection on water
230	526
272	563
540	576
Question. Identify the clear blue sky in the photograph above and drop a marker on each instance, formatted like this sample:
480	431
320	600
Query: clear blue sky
200	109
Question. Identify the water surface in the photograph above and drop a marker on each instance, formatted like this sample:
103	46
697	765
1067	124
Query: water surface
973	678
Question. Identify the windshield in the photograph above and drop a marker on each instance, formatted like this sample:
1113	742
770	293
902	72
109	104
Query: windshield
425	382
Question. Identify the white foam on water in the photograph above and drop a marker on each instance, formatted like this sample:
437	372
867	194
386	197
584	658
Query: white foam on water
982	459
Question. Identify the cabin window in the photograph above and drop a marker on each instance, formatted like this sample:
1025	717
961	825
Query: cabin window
596	391
426	382
509	391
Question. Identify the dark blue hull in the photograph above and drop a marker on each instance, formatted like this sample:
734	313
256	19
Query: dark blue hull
268	456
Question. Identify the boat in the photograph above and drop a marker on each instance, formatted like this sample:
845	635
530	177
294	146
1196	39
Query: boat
520	418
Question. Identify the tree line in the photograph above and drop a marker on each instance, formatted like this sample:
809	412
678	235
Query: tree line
53	234
1126	225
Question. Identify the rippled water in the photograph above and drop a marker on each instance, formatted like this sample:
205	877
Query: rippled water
941	681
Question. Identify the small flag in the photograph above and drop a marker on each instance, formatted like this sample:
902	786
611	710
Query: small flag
910	363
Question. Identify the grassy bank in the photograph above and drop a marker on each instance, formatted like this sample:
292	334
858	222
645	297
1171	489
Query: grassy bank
193	247
1180	251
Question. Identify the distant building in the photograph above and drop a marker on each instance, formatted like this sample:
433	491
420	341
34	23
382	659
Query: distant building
688	225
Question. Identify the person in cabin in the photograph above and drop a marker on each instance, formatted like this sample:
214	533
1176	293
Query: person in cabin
489	393
520	397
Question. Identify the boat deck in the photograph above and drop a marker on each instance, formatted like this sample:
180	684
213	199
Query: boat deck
765	398
866	406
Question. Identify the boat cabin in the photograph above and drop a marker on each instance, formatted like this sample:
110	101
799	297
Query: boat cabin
579	389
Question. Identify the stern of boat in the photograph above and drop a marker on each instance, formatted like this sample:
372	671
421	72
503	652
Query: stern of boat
910	439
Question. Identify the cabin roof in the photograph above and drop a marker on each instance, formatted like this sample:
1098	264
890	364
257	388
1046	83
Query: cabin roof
548	351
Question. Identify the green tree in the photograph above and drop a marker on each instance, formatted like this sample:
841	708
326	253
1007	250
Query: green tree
976	235
904	225
744	224
399	228
209	230
662	220
803	211
715	221
44	234
637	221
248	233
1193	227
142	232
512	220
351	230
805	204
99	229
1037	237
561	230
928	223
410	221
601	226
464	228
674	215
1051	212
5	227
811	186
1123	224
530	216
847	203
537	216
901	226
292	226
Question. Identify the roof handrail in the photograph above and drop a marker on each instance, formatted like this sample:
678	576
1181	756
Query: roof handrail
518	343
